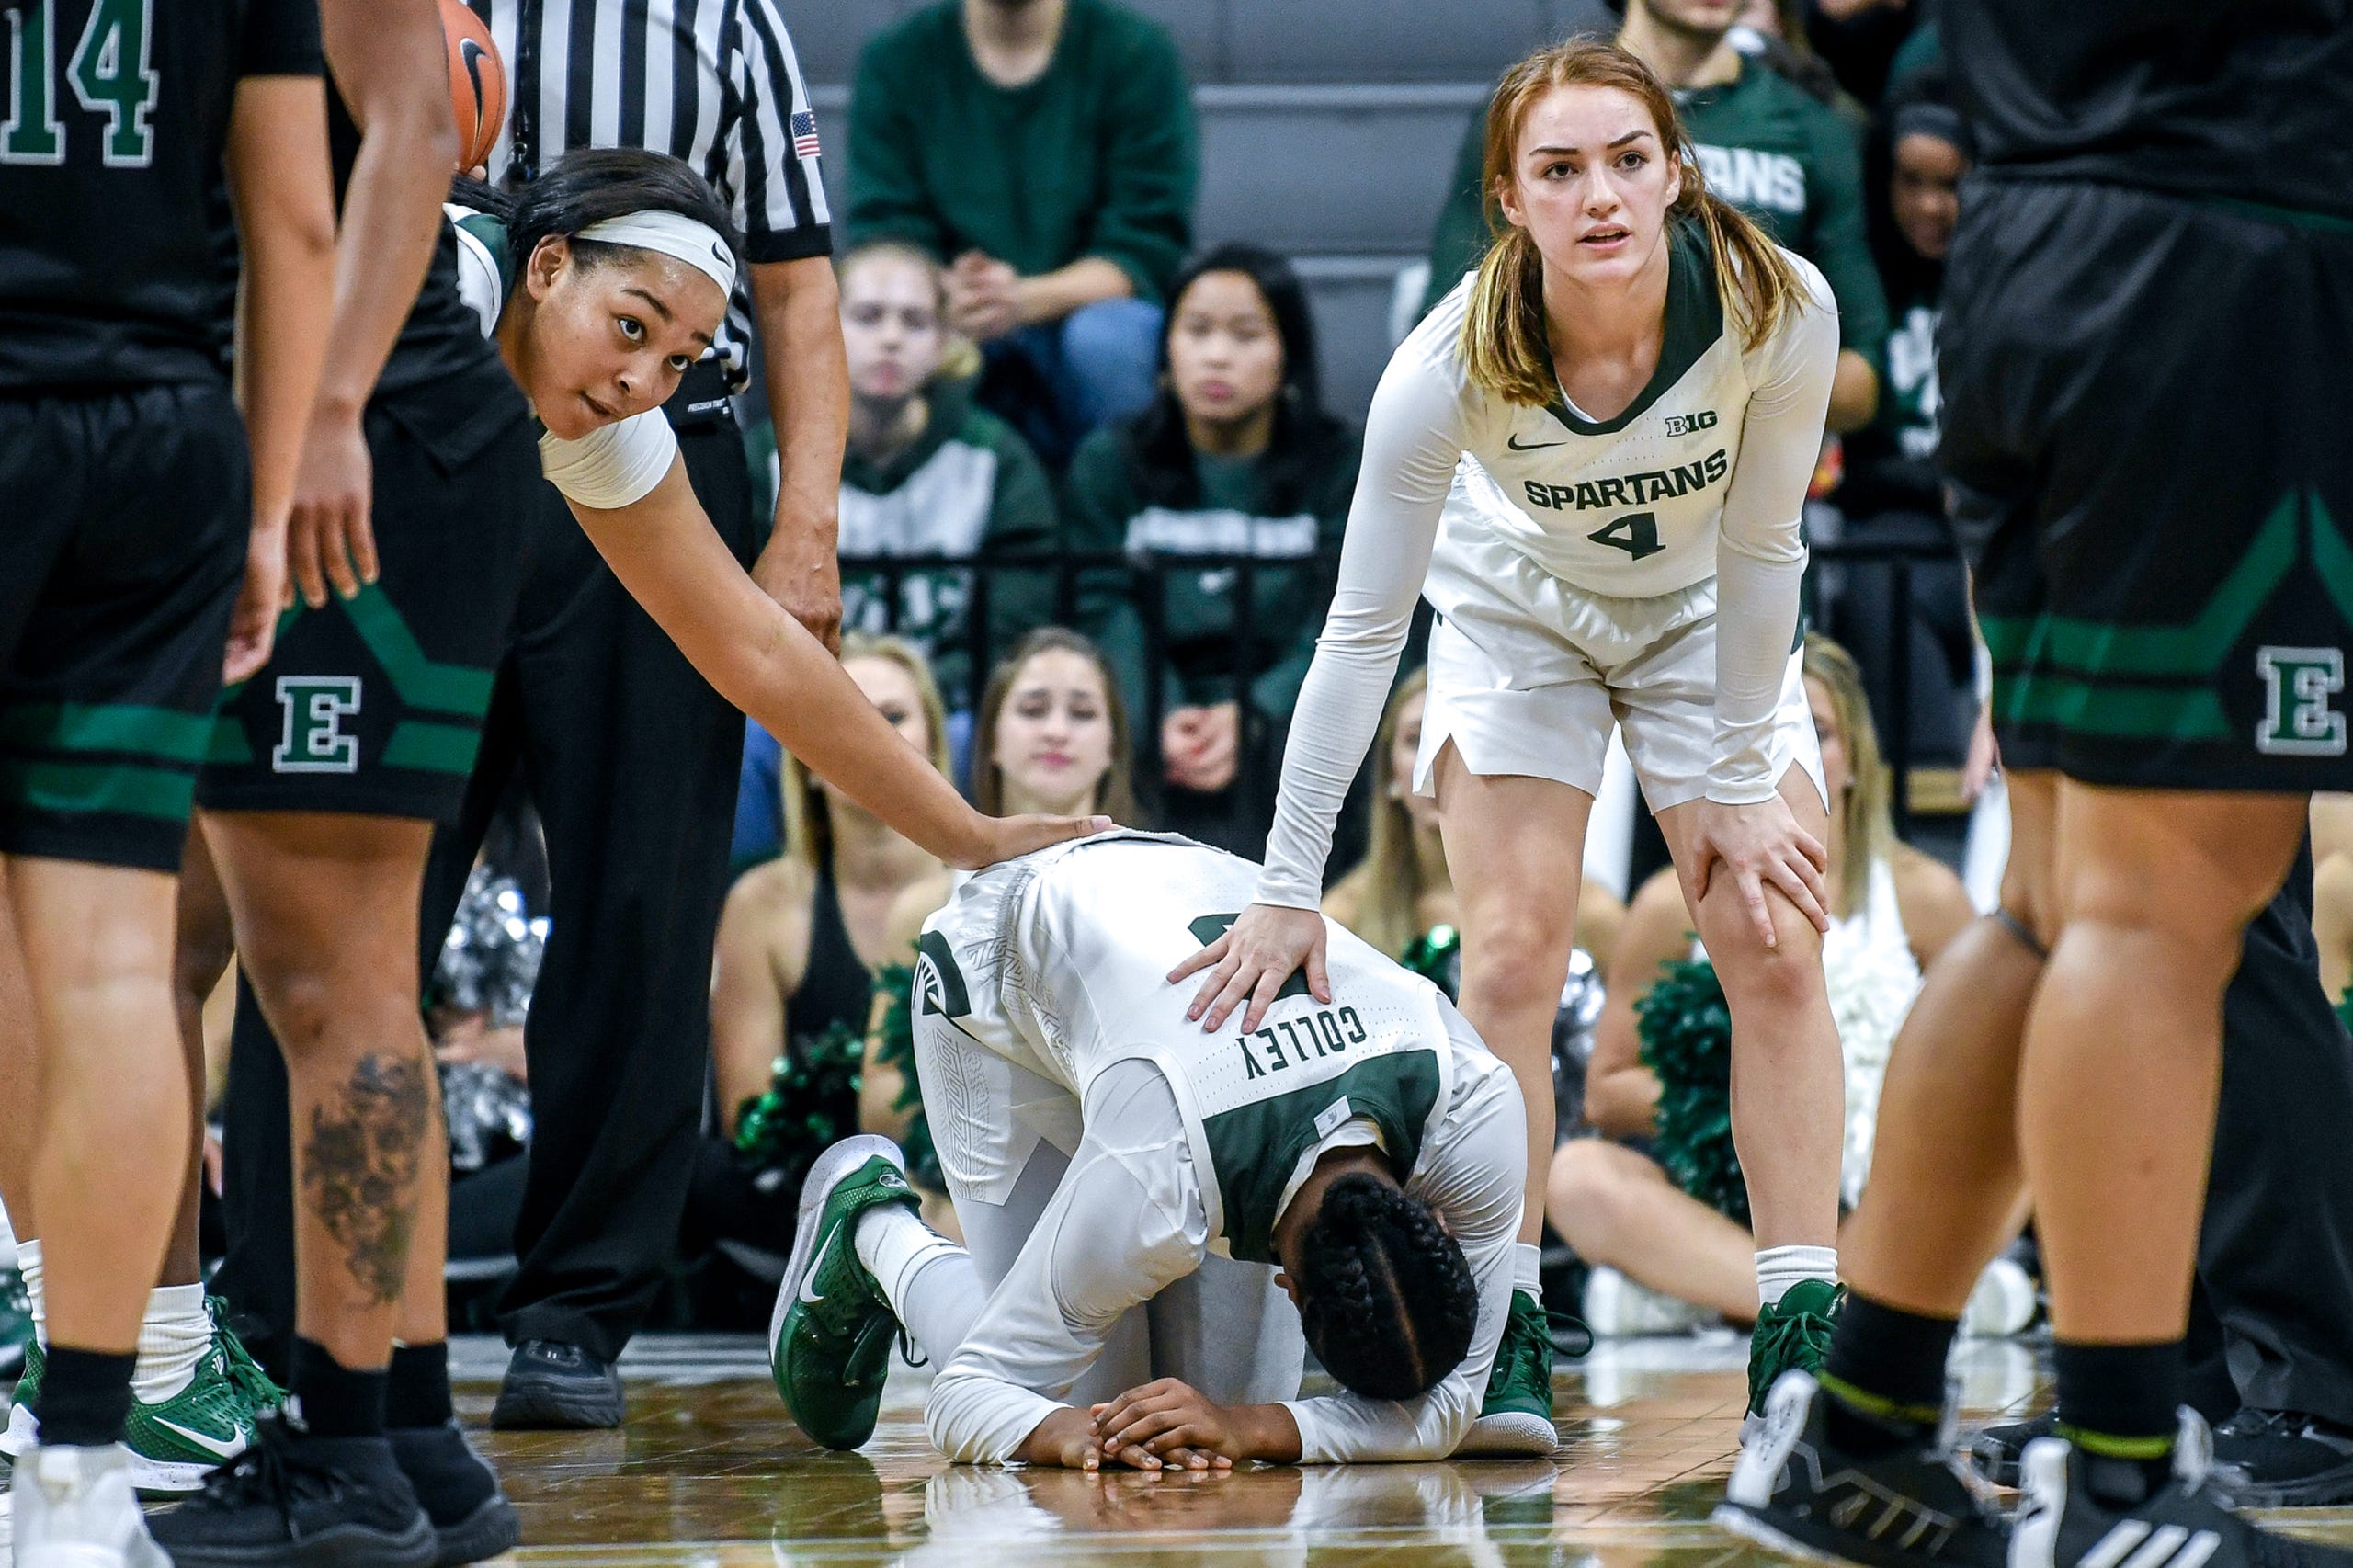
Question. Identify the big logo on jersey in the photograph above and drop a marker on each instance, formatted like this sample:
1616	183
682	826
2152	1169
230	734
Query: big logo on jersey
938	983
1632	489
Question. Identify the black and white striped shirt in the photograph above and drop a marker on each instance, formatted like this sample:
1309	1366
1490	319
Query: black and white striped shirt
713	82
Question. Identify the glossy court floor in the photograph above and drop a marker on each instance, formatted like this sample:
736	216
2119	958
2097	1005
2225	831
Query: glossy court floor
709	1473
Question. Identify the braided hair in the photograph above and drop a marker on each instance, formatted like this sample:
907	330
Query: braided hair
1385	1294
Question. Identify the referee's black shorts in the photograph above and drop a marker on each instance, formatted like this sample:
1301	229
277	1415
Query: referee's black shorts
373	706
2145	418
123	522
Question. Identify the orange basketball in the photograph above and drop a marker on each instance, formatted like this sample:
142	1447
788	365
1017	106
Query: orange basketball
477	83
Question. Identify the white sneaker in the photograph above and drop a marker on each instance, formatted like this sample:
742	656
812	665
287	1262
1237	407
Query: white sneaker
75	1508
2002	1303
1618	1308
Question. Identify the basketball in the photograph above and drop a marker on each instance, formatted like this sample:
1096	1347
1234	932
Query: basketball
477	83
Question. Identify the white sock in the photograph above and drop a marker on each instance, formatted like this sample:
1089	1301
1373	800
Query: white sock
1527	1269
928	1279
173	1338
28	1263
1777	1269
7	1241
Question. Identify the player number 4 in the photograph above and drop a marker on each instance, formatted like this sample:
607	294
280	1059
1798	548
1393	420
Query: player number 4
108	72
1636	533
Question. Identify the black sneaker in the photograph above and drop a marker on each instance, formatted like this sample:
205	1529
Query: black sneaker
2184	1524
295	1501
2281	1459
553	1386
471	1518
1993	1453
1793	1492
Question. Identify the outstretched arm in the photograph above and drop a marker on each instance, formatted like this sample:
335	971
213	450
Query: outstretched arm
667	555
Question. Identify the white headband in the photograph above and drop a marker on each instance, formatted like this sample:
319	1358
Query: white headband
673	233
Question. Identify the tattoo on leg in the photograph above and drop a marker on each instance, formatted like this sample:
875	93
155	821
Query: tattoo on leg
361	1169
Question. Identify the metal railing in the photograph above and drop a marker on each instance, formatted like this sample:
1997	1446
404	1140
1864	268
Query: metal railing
1090	581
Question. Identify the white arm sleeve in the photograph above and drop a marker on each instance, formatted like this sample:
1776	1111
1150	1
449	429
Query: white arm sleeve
1126	1221
1473	1173
1413	437
608	469
1760	553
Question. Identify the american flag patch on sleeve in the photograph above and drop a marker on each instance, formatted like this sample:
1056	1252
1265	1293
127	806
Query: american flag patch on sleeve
805	135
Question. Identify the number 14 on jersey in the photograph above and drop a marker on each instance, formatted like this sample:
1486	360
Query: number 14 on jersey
108	73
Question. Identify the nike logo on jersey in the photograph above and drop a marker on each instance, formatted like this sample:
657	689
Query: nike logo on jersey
211	1445
1515	443
1632	489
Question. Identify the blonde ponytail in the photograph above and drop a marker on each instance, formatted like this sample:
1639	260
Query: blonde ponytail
1505	348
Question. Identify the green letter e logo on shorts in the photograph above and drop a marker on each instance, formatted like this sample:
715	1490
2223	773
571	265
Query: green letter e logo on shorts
2297	685
313	740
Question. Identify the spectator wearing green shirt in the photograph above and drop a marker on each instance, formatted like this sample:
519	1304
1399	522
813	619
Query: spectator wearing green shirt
1045	151
1235	456
1783	157
924	473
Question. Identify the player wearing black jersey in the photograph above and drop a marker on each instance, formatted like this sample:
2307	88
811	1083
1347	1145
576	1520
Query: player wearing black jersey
317	800
2146	352
145	527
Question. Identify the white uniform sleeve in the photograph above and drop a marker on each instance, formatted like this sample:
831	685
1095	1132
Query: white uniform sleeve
1473	1172
614	467
1125	1221
1761	554
1413	437
480	283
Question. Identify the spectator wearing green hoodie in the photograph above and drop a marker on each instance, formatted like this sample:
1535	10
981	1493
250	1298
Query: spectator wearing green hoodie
1235	456
925	473
1045	150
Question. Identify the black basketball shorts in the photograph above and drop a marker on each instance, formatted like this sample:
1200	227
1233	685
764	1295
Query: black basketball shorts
2146	417
374	705
123	522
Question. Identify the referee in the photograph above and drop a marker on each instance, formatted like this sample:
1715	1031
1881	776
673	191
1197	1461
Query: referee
629	755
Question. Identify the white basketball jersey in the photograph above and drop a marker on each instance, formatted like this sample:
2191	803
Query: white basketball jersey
1059	962
1627	507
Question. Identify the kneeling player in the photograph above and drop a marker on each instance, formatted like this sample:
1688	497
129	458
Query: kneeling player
1105	1154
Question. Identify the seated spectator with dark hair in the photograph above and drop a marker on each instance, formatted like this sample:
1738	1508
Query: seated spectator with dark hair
1768	145
926	472
1235	457
1045	150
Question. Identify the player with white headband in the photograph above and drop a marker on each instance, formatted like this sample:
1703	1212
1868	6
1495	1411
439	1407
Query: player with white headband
591	292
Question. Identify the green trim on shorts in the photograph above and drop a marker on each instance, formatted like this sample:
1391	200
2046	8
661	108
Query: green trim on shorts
82	788
2290	217
2099	648
417	680
2192	713
129	729
432	748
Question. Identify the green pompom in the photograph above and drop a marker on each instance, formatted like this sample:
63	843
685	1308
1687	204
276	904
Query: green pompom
1437	956
2345	1006
810	1103
895	1046
1684	1027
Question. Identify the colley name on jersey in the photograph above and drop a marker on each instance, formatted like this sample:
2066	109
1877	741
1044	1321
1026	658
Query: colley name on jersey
1632	489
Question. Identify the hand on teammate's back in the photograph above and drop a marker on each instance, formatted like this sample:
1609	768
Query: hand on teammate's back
1265	946
1006	838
